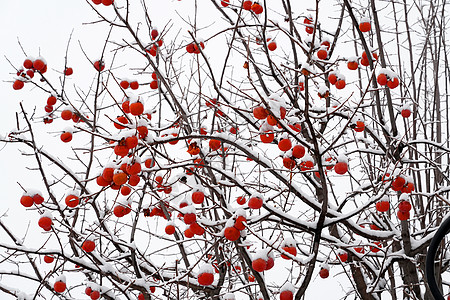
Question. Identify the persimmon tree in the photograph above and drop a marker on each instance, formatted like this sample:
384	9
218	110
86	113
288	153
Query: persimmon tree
241	150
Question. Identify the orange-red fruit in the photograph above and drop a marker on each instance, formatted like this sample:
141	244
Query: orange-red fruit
18	84
340	84
188	233
38	199
45	223
121	119
272	46
170	229
189	218
134	169
136	108
271	120
259	265
66	114
134	85
49	259
107	2
38	64
341	168
95	295
125	190
257	8
101	181
214	144
88	246
59	286
51	100
120	211
198	197
332	78
66	137
120	178
232	234
284	144
247	5
28	63
205	278
124	84
131	142
154	84
398	183
30	73
26	201
286	295
72	201
322	54
359	126
255	203
404	206
149	163
324	273
241	200
382	206
406	113
298	151
239	223
291	250
108	174
270	263
143	131
403	215
99	65
121	150
352	65
260	113
393	83
196	229
225	3
343	257
382	79
364	27
97	2
68	71
288	163
267	137
408	188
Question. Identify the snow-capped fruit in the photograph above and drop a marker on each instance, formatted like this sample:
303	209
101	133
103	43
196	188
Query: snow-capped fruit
206	275
382	206
198	197
259	265
292	250
322	54
364	26
343	256
324	273
406	113
49	259
255	203
232	234
341	168
404	206
59	286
